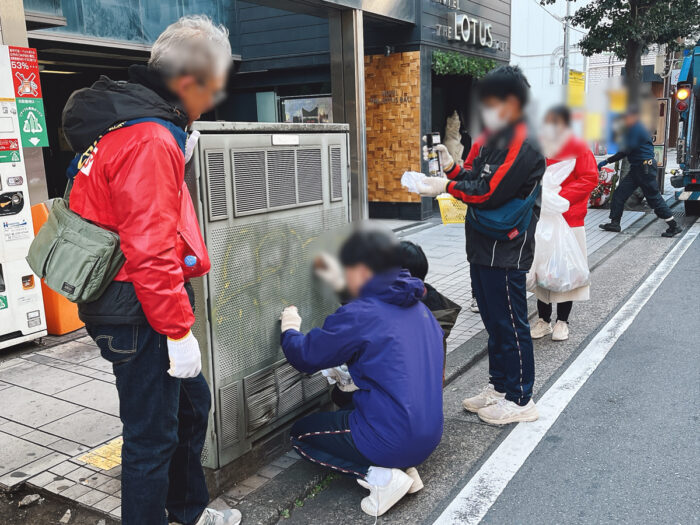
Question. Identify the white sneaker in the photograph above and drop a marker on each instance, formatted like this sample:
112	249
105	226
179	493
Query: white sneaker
561	331
474	306
487	396
540	329
417	482
504	412
381	499
215	517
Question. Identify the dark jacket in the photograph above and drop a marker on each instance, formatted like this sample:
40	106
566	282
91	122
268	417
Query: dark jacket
636	145
136	296
508	166
393	348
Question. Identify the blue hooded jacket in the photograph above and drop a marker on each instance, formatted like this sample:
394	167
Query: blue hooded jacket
392	345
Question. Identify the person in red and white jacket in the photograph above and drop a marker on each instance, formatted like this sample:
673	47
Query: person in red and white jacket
559	143
132	183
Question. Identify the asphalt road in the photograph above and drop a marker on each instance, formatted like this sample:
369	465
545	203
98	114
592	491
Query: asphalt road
627	447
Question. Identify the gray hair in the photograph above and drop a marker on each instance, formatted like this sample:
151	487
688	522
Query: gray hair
193	45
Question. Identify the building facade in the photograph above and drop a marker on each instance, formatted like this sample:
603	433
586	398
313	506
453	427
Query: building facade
284	70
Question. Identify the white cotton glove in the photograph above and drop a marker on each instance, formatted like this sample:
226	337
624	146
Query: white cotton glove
446	160
339	375
432	186
329	270
291	320
185	358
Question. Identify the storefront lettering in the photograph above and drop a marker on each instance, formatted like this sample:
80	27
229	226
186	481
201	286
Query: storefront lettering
468	29
390	97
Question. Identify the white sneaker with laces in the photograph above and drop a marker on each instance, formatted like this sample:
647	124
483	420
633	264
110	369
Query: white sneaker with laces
215	517
540	329
504	412
561	331
417	482
474	306
381	499
487	396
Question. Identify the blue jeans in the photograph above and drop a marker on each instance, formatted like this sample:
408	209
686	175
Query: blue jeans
324	438
502	300
165	424
640	176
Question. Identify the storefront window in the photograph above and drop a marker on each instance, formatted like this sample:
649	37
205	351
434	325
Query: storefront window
307	110
138	21
48	7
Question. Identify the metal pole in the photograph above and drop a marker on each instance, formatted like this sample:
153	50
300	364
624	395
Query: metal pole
13	30
565	65
348	87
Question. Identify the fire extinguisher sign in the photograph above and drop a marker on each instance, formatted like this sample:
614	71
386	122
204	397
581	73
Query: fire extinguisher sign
19	80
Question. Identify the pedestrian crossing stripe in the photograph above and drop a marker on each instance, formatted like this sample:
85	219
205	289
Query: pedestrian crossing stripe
688	195
105	457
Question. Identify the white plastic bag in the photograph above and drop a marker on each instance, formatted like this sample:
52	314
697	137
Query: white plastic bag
412	181
558	265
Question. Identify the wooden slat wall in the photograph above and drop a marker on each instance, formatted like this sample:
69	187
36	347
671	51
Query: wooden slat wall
392	89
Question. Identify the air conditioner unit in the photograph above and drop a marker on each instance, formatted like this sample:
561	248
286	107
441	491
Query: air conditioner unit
266	194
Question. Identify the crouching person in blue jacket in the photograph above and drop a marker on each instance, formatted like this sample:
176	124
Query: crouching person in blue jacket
392	345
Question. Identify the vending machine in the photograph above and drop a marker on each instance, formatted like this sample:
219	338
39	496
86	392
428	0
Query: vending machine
22	124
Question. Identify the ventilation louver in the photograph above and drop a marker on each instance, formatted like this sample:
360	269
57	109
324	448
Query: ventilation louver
216	183
309	176
250	185
336	174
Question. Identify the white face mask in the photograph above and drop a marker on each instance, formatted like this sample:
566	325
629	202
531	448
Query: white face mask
492	118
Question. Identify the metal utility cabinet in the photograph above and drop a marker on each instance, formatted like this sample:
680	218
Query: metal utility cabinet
266	194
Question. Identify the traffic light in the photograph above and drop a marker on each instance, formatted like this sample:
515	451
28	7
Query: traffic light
682	95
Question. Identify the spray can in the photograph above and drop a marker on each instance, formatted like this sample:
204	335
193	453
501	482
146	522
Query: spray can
432	140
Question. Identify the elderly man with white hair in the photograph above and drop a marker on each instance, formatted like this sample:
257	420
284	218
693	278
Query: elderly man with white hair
132	146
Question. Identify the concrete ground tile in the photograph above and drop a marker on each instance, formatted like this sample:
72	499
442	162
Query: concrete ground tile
73	352
75	491
64	468
116	513
254	481
86	340
15	429
79	473
283	462
59	486
270	471
95	480
40	378
111	487
108	504
98	363
22	474
118	494
93	394
239	492
87	427
219	504
16	452
91	497
113	472
67	447
43	479
3	385
40	438
33	409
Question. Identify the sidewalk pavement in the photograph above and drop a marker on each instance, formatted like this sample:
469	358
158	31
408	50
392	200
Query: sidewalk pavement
59	424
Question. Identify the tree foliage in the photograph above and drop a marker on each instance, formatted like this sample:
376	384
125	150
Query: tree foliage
453	63
628	27
612	23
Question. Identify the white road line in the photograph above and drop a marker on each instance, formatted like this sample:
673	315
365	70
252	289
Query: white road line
476	498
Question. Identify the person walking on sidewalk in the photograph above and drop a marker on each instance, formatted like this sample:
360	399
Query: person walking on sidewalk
504	181
639	150
558	144
133	184
392	345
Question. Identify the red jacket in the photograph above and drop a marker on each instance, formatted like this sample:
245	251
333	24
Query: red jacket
578	186
133	184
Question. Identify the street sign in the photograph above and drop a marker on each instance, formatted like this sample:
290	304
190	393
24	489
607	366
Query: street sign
19	82
576	89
